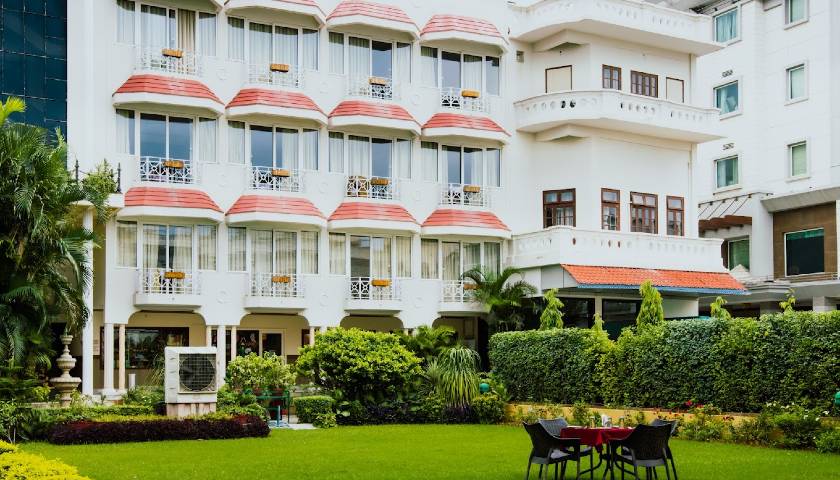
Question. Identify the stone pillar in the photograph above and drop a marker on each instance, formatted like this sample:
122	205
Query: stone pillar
121	358
221	364
312	330
87	330
108	359
232	343
599	305
822	304
208	341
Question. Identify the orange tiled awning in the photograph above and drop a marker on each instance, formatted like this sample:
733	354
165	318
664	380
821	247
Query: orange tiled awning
592	276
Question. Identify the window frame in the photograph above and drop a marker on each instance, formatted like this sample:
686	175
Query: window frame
729	81
138	13
641	76
295	68
734	186
645	206
792	23
483	90
616	204
559	204
391	238
193	244
612	69
736	38
729	242
784	242
196	153
274	128
682	82
137	249
249	259
788	69
370	138
443	163
560	67
669	210
807	172
370	40
461	244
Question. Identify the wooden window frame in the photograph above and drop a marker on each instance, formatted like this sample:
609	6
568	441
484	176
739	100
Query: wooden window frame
611	68
549	208
644	205
682	82
571	76
669	210
634	74
616	204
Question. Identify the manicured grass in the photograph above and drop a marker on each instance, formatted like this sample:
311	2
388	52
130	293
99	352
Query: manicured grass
424	452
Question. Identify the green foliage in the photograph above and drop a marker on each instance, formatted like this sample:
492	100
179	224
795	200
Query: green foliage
488	408
254	372
17	385
581	414
828	441
148	396
552	315
788	303
503	296
238	402
756	431
15	420
325	420
651	311
427	342
718	311
308	408
799	426
704	427
360	364
101	181
27	466
6	447
458	380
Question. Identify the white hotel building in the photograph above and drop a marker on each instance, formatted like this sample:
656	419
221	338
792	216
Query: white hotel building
294	165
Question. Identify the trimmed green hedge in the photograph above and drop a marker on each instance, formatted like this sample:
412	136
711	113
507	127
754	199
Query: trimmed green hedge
737	365
309	408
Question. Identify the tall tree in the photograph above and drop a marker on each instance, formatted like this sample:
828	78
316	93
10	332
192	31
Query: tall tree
503	296
651	311
552	314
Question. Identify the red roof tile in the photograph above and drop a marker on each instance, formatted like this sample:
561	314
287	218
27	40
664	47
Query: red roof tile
160	84
370	9
372	211
458	120
464	218
169	197
449	23
599	275
371	109
273	98
272	204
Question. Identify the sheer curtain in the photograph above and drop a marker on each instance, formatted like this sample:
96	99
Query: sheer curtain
336	152
236	38
429	161
260	44
473	166
309	149
451	252
472	256
310	49
309	252
127	244
402	155
236	249
186	30
359	153
154	26
403	251
336	52
380	253
726	26
285	252
286	145
154	246
358	61
338	254
125	131
492	74
286	46
429	258
236	142
125	21
429	66
180	248
261	251
492	258
402	63
472	72
207	34
206	247
207	139
494	167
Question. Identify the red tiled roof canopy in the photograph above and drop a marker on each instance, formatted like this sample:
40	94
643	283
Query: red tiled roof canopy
449	23
675	279
160	84
271	204
458	120
464	218
372	211
370	9
371	109
169	197
273	98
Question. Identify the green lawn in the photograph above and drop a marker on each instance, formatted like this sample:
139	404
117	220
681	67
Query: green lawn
406	452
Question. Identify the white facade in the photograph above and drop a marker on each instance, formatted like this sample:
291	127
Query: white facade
579	136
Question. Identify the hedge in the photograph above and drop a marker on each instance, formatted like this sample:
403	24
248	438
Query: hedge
88	432
736	364
15	465
308	408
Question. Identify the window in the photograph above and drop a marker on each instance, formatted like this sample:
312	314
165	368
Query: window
309	253
207	34
796	83
144	345
429	159
559	208
336	52
237	249
378	157
309	49
125	21
207	139
165	137
461	71
336	152
798	156
469	165
296	47
492	74
796	11
206	247
402	158
558	79
428	258
461	257
168	247
727	172
236	38
646	84
277	252
726	26
403	255
181	29
338	254
610	209
676	215
285	148
125	131
370	257
643	213
127	244
738	253
236	142
611	77
726	98
372	58
805	252
429	66
675	90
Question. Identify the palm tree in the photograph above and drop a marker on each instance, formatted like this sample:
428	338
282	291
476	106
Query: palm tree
44	267
503	297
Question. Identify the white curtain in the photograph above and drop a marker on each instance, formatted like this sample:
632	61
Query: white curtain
186	30
403	252
236	38
236	142
402	155
358	61
429	161
260	44
286	46
154	246
207	139
473	166
310	49
285	253
494	167
402	63
309	149
125	131
180	248
207	34
451	260
338	254
429	66
206	247
726	26
429	258
472	256
492	75
359	153
127	244
336	152
492	257
286	144
236	249
125	21
309	252
472	72
336	52
380	253
154	26
261	256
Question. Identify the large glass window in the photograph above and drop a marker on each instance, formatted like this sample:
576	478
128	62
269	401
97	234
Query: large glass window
162	136
796	10
429	160
798	157
467	165
206	247
646	84
805	252
338	254
237	249
379	157
144	346
726	172
236	38
429	66
726	26
336	52
371	257
127	244
643	213
726	98
796	83
559	208
168	247
285	148
738	253
459	258
428	258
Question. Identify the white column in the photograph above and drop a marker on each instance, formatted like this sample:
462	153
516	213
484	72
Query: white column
220	355
416	256
312	330
232	343
599	305
323	251
121	358
108	359
87	330
208	341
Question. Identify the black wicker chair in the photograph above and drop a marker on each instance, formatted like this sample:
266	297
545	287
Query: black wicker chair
554	426
673	424
644	448
547	450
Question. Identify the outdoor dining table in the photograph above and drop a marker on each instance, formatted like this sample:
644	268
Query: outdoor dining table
597	438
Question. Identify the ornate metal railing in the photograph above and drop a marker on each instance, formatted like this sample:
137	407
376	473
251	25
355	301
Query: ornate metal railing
366	288
168	281
460	194
382	88
451	97
457	291
375	187
169	60
275	74
281	285
276	179
167	170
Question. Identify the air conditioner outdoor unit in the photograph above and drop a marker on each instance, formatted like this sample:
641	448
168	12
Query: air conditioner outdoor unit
190	381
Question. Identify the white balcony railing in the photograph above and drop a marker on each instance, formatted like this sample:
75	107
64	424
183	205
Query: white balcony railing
272	74
367	288
467	195
381	88
168	281
167	170
381	188
275	179
169	60
457	291
276	285
451	97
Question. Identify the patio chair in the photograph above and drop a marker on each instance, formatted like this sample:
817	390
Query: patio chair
644	448
547	450
554	426
673	424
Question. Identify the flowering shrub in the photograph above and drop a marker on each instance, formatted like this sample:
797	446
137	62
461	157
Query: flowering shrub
829	441
705	426
799	426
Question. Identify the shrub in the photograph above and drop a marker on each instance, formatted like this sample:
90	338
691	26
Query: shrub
704	427
47	418
325	420
148	396
581	414
308	408
254	372
757	431
488	408
238	403
16	421
6	447
427	342
828	441
87	432
359	364
799	426
27	466
457	382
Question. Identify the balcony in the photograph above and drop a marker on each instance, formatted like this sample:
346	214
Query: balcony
464	100
275	292
167	289
380	188
553	22
456	297
168	60
167	170
366	295
275	74
381	88
465	195
557	115
275	179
